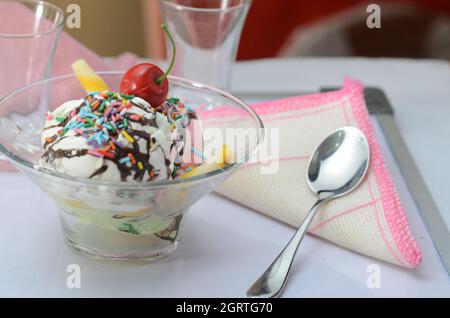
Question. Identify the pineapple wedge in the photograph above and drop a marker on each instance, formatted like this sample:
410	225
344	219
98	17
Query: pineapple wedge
88	78
225	157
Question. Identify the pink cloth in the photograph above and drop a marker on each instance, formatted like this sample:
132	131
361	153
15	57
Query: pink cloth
69	50
23	60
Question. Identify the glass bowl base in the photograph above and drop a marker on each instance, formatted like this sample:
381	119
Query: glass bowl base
133	259
128	240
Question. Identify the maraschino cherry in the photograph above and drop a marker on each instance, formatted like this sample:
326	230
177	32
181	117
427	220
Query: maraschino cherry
147	80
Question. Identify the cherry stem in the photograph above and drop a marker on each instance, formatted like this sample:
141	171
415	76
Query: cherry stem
162	78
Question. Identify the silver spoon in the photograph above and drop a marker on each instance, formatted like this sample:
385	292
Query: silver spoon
336	168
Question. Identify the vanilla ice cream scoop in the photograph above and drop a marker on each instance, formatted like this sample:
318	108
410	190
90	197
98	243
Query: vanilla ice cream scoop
115	137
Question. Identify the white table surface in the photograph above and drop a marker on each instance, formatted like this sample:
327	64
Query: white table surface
225	245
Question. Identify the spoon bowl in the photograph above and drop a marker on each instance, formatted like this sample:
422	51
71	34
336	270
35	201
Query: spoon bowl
337	167
339	164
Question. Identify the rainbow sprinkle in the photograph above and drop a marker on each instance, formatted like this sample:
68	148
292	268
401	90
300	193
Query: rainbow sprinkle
127	136
125	160
133	159
198	153
103	118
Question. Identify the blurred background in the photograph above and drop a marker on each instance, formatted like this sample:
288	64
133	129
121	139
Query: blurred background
288	28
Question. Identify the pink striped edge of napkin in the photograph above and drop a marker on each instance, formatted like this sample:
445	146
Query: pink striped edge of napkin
392	207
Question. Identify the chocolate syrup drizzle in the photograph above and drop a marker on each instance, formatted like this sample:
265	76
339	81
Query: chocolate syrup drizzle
125	170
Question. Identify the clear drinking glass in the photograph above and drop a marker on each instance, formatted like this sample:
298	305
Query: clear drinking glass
207	34
121	221
29	33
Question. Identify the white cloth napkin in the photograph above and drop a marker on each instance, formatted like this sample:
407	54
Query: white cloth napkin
370	220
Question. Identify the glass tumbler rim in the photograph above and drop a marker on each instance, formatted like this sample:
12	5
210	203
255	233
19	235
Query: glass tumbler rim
206	10
58	27
27	165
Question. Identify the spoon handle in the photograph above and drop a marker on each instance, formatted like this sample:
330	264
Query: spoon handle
272	282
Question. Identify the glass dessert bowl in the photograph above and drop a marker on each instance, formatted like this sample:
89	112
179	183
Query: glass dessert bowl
126	221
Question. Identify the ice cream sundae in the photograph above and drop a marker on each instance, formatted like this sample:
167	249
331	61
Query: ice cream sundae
127	148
